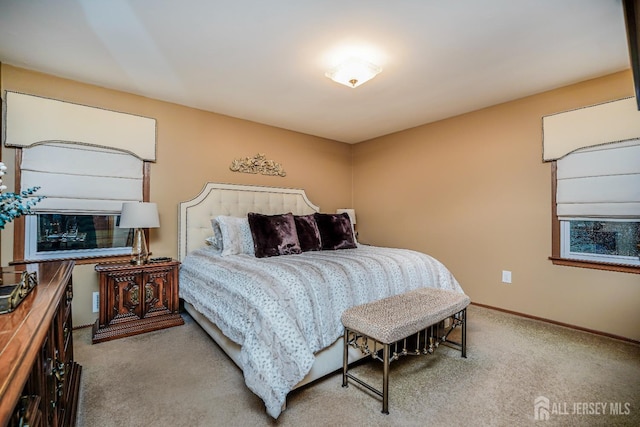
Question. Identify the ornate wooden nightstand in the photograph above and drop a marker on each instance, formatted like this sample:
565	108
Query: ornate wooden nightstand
136	298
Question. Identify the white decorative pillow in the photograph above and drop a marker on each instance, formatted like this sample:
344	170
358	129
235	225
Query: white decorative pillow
216	239
236	235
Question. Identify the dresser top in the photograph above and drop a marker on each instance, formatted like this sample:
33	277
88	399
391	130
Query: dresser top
118	266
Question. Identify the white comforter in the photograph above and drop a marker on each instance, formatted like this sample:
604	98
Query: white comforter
283	309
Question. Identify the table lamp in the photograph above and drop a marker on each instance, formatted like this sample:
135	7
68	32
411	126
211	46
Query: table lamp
139	215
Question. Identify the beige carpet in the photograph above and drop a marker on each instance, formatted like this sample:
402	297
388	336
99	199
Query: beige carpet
179	377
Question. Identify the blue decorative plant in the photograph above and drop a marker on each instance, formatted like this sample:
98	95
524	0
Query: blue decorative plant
13	205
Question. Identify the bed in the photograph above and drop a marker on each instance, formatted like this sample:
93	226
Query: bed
278	317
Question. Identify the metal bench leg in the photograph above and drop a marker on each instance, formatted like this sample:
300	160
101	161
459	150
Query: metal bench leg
385	378
464	332
345	358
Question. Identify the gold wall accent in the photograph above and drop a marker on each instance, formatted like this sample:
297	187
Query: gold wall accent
258	164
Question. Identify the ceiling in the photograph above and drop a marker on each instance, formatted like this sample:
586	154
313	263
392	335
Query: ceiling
265	61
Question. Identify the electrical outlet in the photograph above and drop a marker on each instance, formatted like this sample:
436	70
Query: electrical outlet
506	276
96	302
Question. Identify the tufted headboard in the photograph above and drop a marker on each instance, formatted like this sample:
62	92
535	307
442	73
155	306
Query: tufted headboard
194	216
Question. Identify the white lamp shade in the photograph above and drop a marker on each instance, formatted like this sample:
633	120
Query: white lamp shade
139	215
350	212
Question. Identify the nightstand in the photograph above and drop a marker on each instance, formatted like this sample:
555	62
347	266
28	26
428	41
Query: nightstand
136	298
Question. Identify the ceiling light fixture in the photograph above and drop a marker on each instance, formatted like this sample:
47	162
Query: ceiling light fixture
353	72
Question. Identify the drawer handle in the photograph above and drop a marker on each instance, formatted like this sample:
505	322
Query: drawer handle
135	295
149	292
58	371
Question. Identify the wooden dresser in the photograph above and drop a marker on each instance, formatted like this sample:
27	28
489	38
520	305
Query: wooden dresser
39	379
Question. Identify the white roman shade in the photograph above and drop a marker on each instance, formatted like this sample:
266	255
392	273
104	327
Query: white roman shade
590	126
600	182
78	178
32	120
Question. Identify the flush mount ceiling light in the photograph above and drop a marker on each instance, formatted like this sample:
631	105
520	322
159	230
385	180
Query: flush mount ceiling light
353	72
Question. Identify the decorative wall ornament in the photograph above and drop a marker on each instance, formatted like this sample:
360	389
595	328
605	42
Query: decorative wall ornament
258	164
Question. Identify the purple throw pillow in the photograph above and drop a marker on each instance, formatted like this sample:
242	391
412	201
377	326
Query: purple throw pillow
335	231
274	235
308	233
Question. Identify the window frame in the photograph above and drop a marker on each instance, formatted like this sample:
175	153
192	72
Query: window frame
566	253
556	236
19	228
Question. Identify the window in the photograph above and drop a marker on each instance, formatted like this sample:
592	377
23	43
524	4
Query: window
54	236
84	187
608	241
597	206
87	161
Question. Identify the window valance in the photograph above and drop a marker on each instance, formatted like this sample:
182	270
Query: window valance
31	120
590	126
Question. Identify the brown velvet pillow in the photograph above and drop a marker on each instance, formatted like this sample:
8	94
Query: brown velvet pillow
308	233
274	235
335	231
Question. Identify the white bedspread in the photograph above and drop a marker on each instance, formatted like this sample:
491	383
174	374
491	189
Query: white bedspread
283	309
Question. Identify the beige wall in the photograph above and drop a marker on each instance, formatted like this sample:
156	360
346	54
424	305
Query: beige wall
193	147
473	192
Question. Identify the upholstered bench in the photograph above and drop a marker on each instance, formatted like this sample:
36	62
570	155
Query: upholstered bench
415	318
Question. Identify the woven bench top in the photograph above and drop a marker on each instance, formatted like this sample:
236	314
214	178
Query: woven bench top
391	319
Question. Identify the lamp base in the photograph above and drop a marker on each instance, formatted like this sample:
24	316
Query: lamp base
139	250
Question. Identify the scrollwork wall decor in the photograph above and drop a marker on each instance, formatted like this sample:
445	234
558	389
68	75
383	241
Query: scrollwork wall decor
258	164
